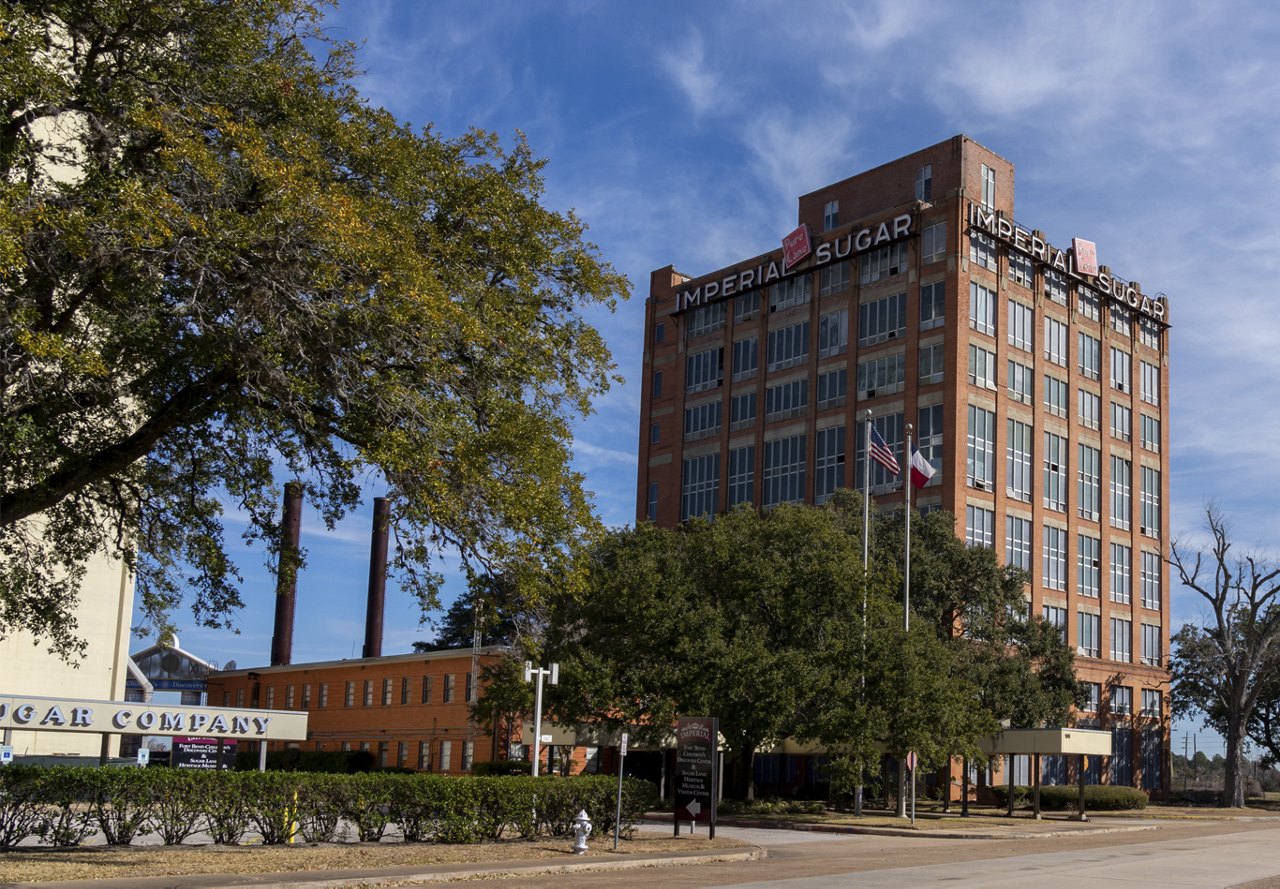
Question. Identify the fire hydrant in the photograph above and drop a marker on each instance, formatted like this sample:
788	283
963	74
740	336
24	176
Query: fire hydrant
581	830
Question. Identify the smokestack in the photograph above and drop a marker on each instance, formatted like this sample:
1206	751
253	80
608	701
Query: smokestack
287	575
377	578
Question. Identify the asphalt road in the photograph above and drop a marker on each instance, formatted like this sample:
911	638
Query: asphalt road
1177	855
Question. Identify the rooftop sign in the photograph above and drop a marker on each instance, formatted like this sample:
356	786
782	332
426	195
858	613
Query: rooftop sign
117	717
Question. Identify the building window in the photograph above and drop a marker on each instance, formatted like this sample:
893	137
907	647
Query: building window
1018	461
924	183
1121	485
1149	333
745	306
1150	696
833	333
982	367
367	700
890	428
448	688
386	692
788	346
979	526
988	186
704	370
881	376
1017	542
1150	433
1021	271
655	433
1055	472
933	305
306	696
659	332
349	698
1090	355
1056	617
1055	341
446	755
1121	631
1121	573
742	475
657	384
1055	286
882	319
424	756
982	309
1055	395
705	319
271	697
1120	320
1089	566
1092	697
1119	369
1121	698
784	480
980	468
1121	422
1089	473
833	387
882	263
1150	382
1090	641
1149	501
831	216
702	420
324	695
699	488
470	689
1150	648
929	427
789	293
426	689
239	697
1087	303
468	754
1021	383
651	507
933	242
833	278
1021	326
402	754
746	357
742	410
932	360
828	463
1055	558
1151	580
1090	409
404	690
786	399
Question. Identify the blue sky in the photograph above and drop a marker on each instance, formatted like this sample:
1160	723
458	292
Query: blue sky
683	133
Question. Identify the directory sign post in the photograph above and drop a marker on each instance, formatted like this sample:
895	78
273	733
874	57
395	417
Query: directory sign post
697	778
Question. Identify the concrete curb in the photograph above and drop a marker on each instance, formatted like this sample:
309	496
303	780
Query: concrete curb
373	877
933	834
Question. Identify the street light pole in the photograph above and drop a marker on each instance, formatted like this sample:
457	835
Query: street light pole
553	676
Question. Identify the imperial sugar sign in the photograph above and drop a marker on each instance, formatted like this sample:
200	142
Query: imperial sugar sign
117	717
696	773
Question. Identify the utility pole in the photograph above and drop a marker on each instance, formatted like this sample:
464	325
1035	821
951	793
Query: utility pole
553	676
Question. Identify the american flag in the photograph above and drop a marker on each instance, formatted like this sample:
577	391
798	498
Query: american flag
882	453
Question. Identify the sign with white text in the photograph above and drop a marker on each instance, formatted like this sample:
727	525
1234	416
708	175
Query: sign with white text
128	718
696	774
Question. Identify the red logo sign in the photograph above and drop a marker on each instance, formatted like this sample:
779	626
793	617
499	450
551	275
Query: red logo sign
1086	254
796	246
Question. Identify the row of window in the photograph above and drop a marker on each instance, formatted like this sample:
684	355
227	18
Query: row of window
1089	636
980	471
298	697
1019	547
426	756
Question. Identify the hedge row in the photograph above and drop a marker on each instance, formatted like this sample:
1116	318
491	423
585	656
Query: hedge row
64	805
1097	797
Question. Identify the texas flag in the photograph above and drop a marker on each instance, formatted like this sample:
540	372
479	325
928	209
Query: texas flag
921	470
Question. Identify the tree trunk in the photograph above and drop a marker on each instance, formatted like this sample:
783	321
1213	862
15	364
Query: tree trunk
1233	776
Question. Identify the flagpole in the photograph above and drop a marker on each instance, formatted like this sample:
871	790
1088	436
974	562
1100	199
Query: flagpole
866	538
906	606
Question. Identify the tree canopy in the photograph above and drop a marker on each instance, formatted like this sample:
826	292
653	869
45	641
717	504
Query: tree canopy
223	268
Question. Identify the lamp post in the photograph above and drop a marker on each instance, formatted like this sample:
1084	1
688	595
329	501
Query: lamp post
553	676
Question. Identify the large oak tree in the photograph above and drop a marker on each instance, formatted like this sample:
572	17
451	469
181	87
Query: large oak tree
223	268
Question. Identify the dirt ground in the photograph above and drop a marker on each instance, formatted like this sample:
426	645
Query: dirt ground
35	865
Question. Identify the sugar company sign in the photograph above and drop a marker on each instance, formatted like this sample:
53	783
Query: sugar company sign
116	717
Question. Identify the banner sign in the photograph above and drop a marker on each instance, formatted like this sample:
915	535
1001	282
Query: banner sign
697	778
127	718
202	753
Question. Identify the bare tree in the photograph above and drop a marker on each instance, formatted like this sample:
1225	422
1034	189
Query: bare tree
1221	667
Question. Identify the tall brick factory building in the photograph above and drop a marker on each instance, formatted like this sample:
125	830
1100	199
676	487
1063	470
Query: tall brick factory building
1035	379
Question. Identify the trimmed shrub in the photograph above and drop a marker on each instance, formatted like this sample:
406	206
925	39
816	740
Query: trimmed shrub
179	802
272	800
122	802
501	768
66	818
226	811
365	801
1097	797
21	812
318	813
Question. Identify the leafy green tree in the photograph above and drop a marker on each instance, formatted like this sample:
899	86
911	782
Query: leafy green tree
1222	668
495	606
222	266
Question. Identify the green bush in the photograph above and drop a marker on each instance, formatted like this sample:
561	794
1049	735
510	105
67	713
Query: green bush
365	801
66	818
342	762
122	801
501	767
226	811
179	802
318	817
1097	797
21	797
765	807
272	800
